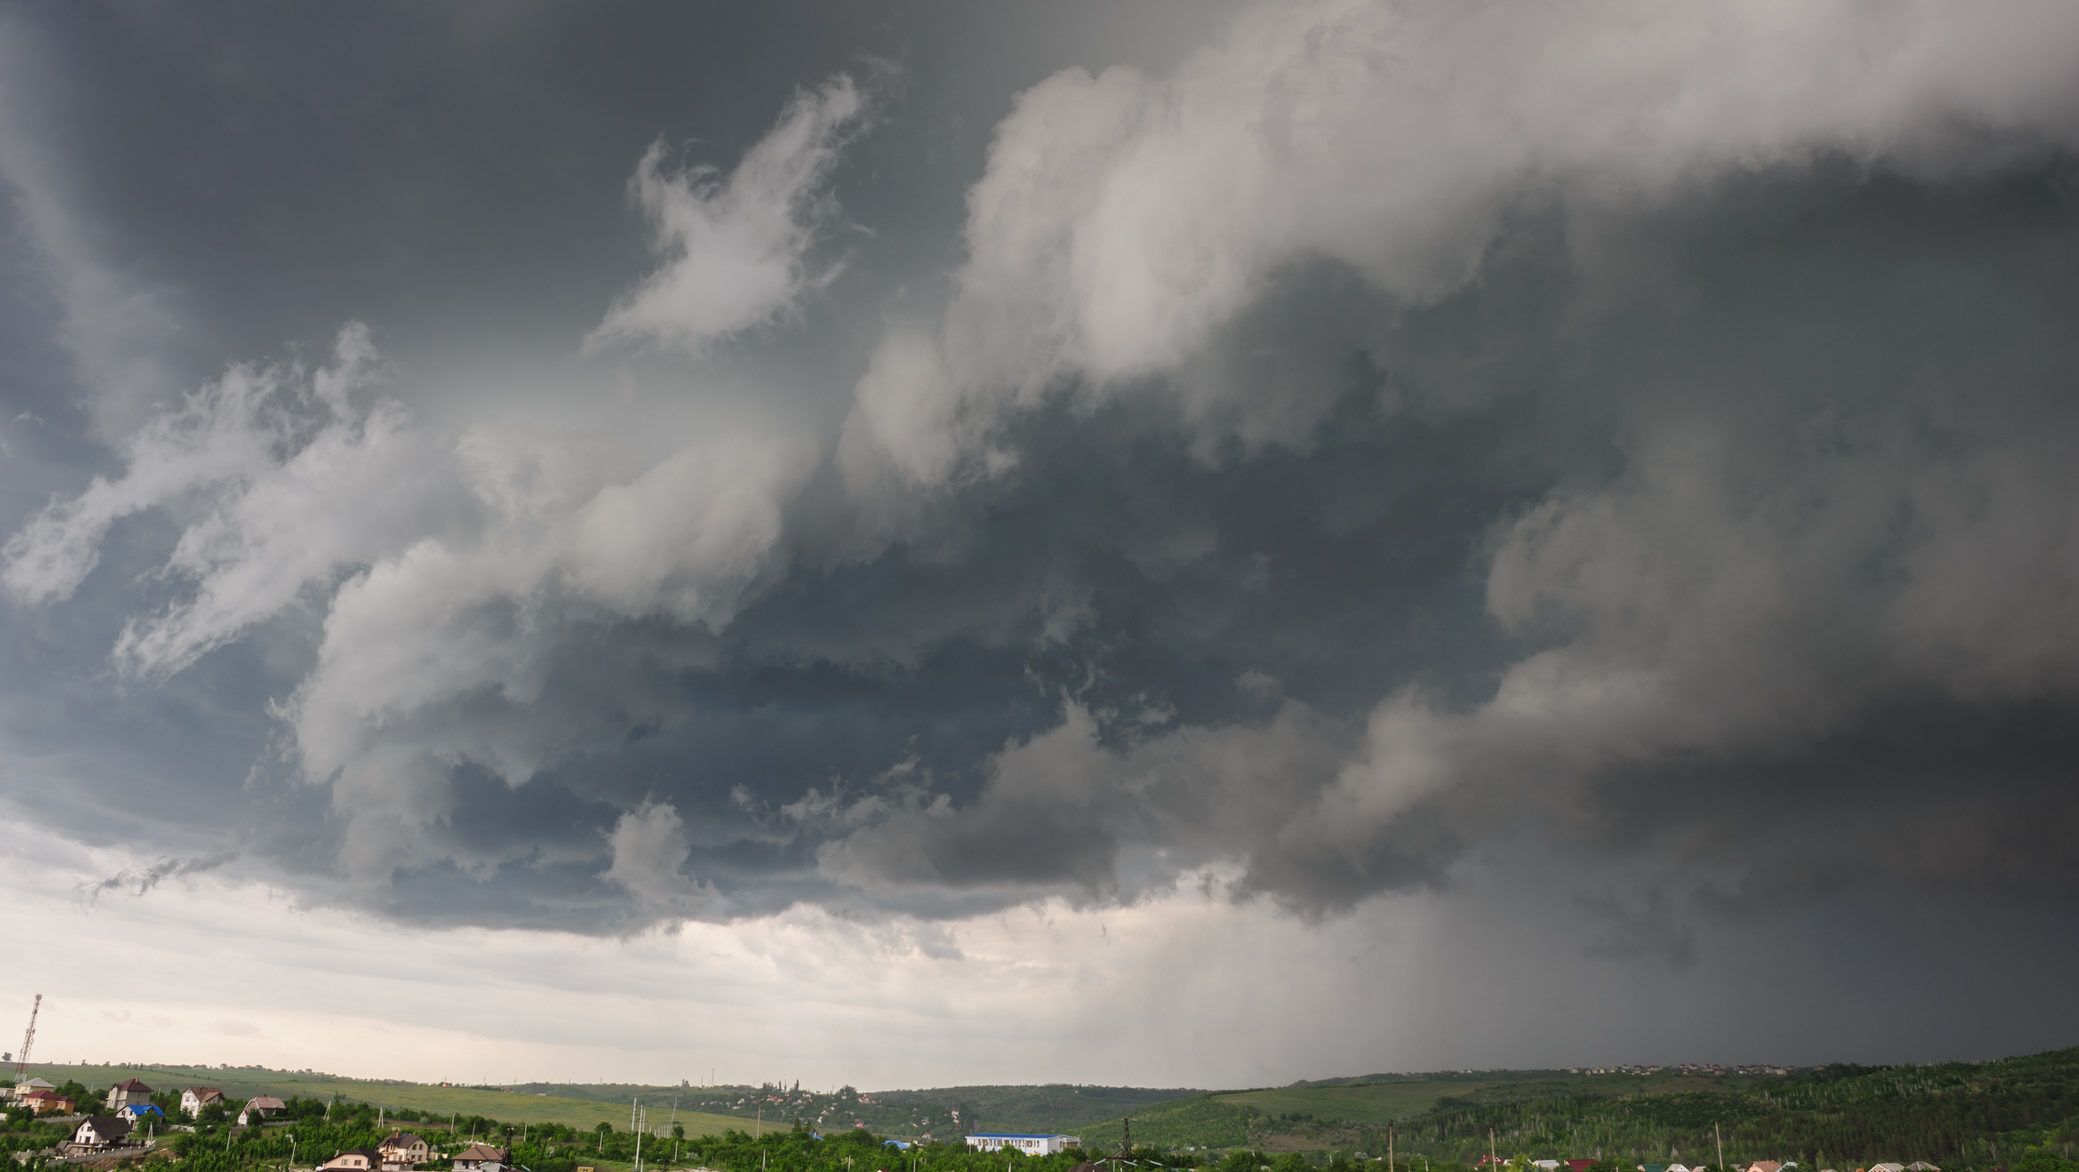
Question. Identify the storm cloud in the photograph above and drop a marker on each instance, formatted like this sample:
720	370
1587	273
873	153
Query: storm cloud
1316	455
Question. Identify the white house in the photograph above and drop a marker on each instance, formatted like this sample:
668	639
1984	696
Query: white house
35	1084
481	1158
125	1093
194	1099
260	1107
402	1149
1017	1141
100	1131
357	1160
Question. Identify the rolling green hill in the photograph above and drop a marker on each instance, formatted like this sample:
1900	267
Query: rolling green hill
1962	1116
239	1083
1950	1113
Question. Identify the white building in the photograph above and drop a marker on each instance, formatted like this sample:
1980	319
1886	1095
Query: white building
194	1099
482	1158
100	1131
1017	1141
260	1107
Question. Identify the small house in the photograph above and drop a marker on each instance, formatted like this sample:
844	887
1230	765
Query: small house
21	1089
139	1112
355	1160
481	1158
194	1099
126	1092
101	1131
260	1107
402	1149
46	1103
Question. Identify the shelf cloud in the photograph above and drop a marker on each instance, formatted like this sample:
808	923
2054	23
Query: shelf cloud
1600	468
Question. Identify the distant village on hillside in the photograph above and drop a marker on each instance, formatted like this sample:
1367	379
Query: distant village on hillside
129	1121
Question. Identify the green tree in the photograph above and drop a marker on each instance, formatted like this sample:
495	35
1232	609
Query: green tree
1241	1161
2043	1160
1291	1162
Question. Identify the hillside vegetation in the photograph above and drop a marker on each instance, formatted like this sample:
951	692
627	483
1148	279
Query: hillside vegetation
1966	1117
1953	1112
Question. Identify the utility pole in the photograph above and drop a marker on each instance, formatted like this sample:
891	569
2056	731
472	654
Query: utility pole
643	1124
1720	1141
1389	1147
1491	1160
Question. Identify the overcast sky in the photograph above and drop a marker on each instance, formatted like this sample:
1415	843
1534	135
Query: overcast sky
1167	543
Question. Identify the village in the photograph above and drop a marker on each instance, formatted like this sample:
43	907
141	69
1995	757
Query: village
129	1123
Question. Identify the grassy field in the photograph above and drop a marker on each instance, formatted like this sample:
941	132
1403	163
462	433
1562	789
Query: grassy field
506	1106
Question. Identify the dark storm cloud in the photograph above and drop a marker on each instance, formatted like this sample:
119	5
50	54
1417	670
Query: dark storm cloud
1287	486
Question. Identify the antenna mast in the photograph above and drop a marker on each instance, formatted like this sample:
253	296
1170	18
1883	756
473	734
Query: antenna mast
21	1058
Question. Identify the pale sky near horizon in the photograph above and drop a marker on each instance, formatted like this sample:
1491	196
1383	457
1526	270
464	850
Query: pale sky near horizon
1154	543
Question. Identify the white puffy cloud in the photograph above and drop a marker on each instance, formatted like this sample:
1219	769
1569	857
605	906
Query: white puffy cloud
736	250
446	653
282	480
650	852
453	576
1125	218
